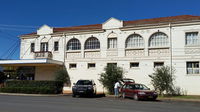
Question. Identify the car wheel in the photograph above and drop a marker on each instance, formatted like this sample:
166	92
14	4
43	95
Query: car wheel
135	97
123	95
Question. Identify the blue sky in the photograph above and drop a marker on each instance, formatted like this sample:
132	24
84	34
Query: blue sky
25	16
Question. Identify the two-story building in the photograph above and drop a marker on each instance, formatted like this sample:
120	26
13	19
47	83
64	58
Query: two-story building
137	46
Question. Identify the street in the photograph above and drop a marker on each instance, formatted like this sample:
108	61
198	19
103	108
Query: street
101	104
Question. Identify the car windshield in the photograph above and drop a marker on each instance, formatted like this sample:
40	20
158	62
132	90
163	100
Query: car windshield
138	86
84	82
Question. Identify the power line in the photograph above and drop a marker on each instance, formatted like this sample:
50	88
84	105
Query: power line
9	36
13	51
9	49
22	26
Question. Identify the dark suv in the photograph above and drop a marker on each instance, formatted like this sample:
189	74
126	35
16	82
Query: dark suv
84	87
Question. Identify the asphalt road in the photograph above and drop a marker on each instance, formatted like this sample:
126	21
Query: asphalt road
102	104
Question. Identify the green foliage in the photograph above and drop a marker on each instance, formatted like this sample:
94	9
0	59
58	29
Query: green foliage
33	87
63	76
2	77
110	77
162	80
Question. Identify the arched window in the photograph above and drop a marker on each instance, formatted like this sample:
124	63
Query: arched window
92	43
158	39
134	41
74	44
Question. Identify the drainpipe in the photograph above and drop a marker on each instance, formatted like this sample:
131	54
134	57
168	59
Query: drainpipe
170	36
64	35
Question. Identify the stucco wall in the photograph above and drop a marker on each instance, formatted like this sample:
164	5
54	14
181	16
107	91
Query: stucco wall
45	72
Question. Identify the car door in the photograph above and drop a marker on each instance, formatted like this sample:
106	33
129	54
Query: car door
128	91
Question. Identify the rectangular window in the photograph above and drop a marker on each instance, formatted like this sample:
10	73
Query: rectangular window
158	64
91	65
192	38
134	64
192	67
44	46
56	46
72	66
112	43
32	47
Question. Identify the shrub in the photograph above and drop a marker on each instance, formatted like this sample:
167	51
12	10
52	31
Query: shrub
33	87
112	74
63	76
162	80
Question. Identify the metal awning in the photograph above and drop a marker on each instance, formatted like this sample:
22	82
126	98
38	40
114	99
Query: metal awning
32	62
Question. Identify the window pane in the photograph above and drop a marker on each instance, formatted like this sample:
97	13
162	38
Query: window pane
32	47
44	46
91	65
192	67
92	43
158	40
192	38
158	64
56	46
72	66
112	43
74	44
134	65
134	40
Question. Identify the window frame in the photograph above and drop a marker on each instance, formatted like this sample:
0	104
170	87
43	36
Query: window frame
32	47
193	69
71	66
92	43
91	67
112	43
44	48
56	47
134	63
192	41
73	45
155	66
134	41
158	41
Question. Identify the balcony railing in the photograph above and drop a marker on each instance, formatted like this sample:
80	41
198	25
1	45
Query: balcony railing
43	54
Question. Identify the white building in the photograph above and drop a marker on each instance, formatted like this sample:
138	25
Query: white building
136	46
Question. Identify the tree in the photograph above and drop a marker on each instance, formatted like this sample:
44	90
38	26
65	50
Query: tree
110	77
62	75
162	80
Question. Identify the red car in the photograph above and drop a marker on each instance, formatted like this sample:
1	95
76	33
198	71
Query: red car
138	92
127	81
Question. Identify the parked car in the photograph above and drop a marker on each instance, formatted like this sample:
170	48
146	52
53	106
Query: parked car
84	87
138	92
